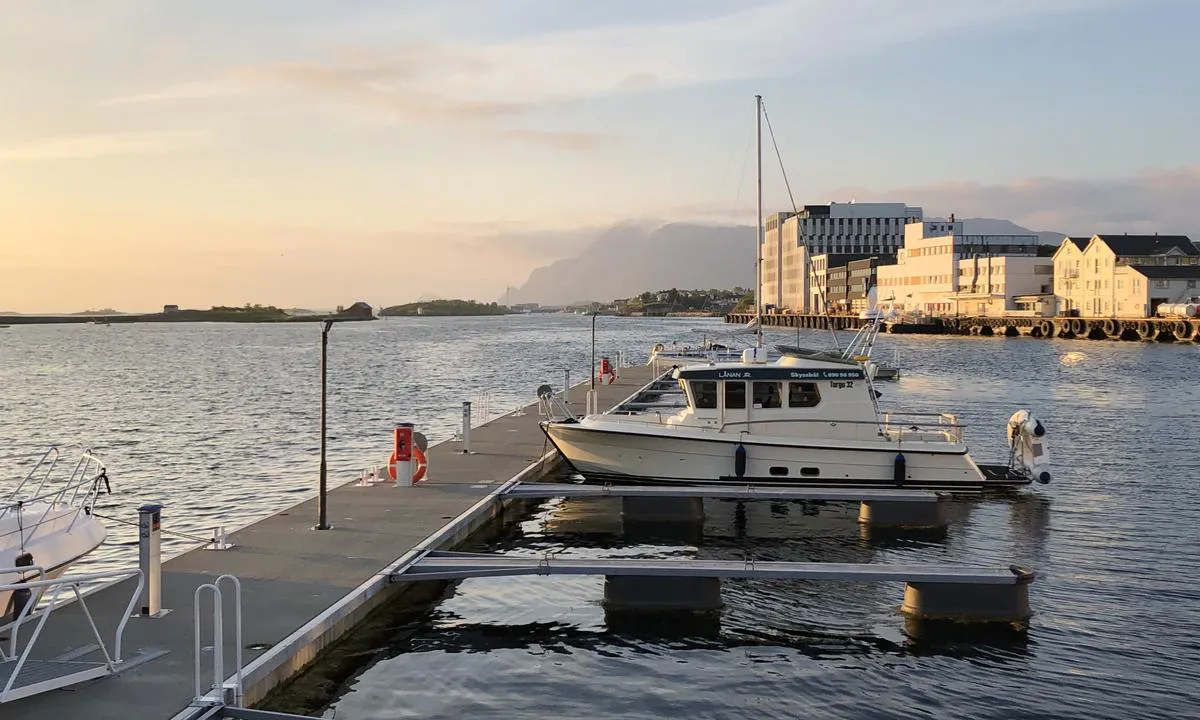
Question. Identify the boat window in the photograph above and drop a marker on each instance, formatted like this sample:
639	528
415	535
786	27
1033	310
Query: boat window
768	395
704	393
802	394
735	395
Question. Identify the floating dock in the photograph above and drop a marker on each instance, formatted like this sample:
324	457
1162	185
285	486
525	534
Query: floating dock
302	589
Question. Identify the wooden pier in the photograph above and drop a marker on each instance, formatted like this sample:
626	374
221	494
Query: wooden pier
1129	329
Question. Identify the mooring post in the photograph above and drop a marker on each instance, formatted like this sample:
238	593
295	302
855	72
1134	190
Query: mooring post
150	559
466	428
567	387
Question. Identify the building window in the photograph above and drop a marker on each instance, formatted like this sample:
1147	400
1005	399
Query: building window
735	395
1191	284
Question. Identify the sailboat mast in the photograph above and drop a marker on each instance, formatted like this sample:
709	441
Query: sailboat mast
758	334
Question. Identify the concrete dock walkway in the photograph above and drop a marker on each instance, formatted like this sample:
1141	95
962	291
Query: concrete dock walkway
292	574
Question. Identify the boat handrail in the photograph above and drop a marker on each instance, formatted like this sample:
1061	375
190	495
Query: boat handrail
953	431
42	613
79	490
659	377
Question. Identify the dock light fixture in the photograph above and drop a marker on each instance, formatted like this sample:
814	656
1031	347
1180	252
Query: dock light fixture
322	506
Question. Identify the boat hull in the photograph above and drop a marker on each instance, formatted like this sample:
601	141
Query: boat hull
669	457
54	538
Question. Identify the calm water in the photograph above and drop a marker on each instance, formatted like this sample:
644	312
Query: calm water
220	423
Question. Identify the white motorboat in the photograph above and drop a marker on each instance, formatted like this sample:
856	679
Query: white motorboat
809	418
46	523
812	420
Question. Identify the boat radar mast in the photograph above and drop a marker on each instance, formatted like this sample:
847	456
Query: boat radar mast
758	333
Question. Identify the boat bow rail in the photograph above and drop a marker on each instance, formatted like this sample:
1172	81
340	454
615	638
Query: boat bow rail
49	491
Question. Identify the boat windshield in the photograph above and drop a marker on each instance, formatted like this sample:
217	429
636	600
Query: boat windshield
704	394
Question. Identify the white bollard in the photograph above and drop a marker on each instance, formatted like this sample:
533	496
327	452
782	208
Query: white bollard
466	427
591	403
150	559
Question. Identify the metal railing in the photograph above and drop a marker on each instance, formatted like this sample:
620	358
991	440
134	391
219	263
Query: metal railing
890	424
219	692
31	611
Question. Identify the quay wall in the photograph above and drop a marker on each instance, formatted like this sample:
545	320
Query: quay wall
1129	329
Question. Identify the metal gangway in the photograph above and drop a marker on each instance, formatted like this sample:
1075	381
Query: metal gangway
445	565
23	672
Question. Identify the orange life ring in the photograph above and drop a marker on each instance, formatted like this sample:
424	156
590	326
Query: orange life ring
418	458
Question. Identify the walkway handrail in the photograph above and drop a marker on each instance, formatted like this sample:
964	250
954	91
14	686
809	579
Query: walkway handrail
29	611
218	685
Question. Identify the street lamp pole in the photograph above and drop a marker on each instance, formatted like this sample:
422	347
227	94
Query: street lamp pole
322	506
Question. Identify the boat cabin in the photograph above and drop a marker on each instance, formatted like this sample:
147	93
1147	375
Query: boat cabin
776	398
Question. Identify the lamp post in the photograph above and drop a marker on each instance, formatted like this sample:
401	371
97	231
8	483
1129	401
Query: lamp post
322	519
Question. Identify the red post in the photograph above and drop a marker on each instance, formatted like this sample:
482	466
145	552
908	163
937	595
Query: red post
402	443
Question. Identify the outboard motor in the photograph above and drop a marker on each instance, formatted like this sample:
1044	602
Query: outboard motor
1027	446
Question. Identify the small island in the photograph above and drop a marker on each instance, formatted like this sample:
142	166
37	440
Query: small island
444	308
219	313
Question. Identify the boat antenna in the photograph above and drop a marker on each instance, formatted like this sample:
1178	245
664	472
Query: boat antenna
796	210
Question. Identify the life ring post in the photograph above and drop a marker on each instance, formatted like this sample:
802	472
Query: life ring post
407	465
400	465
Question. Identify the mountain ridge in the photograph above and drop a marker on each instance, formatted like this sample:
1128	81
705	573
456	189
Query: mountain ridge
626	259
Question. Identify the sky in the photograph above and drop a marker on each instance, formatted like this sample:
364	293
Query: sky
309	154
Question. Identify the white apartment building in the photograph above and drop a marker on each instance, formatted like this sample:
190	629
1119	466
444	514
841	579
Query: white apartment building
774	259
842	228
1124	275
941	271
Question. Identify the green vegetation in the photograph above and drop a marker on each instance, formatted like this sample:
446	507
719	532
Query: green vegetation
445	308
745	303
662	302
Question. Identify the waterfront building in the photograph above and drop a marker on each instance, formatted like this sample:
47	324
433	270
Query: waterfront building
943	271
1124	275
790	239
844	279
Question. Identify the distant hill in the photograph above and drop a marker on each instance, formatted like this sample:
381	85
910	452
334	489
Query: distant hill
444	308
994	226
626	260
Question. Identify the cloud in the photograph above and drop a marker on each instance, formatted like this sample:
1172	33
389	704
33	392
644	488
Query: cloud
500	82
202	90
1161	200
68	147
556	139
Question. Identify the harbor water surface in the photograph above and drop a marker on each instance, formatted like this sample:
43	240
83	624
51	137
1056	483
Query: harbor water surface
219	423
